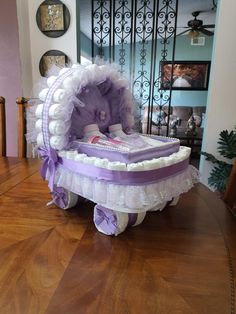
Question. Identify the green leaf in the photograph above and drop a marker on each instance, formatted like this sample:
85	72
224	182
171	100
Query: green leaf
227	144
219	176
213	159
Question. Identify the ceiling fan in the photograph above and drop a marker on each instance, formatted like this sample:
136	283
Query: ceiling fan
195	27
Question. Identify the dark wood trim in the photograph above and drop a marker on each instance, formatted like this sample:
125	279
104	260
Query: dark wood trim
21	104
2	127
230	193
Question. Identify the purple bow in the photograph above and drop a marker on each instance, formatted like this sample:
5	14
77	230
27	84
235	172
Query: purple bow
60	197
105	219
50	163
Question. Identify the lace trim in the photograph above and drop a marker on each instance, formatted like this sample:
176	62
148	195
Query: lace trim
127	198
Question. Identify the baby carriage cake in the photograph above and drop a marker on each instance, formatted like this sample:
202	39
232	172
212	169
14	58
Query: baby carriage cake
83	130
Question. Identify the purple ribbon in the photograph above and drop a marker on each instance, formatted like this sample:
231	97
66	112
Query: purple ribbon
60	197
105	219
50	163
125	177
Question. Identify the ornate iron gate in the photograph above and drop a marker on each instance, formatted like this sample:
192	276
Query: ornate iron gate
135	34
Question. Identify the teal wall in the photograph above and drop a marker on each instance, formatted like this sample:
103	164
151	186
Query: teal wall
183	52
85	46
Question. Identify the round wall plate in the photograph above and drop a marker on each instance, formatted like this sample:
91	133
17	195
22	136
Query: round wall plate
53	18
50	59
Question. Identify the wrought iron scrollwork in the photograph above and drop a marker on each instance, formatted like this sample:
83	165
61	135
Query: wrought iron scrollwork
122	30
143	34
131	30
101	16
166	29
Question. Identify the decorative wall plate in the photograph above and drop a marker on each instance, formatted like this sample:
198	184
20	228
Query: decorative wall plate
53	18
52	58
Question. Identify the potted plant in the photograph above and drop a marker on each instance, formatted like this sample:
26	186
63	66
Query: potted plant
227	148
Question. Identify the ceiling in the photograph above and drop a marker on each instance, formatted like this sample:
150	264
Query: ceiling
186	7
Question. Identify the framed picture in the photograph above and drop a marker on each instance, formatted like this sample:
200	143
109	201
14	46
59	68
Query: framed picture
187	75
52	58
53	18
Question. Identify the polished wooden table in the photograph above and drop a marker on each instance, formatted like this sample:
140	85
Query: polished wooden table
180	260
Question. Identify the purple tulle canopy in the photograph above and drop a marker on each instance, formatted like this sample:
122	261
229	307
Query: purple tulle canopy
103	105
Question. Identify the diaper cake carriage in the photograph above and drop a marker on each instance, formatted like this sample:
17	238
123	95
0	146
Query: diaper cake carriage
83	130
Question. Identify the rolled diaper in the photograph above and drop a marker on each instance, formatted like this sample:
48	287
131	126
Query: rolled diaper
71	154
174	201
67	82
150	164
43	94
57	111
58	127
154	163
39	111
139	166
112	222
58	95
38	125
116	165
89	160
56	141
63	198
51	80
139	218
80	157
169	161
101	162
40	142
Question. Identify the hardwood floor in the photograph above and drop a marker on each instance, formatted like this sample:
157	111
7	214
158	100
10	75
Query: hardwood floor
180	260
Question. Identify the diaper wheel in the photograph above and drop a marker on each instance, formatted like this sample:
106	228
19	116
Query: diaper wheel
174	201
63	198
111	222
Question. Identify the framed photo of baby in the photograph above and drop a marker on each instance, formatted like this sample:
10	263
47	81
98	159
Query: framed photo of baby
185	75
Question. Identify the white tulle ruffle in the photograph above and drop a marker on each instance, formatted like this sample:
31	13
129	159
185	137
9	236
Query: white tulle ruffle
132	199
62	104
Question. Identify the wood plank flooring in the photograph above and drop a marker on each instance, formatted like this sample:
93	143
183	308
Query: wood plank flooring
180	260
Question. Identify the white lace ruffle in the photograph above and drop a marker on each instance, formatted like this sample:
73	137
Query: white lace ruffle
132	199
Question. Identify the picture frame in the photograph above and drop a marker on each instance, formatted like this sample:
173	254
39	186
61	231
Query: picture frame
53	18
187	75
52	58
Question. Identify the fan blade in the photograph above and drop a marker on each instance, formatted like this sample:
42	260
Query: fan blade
183	32
182	27
205	31
209	26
